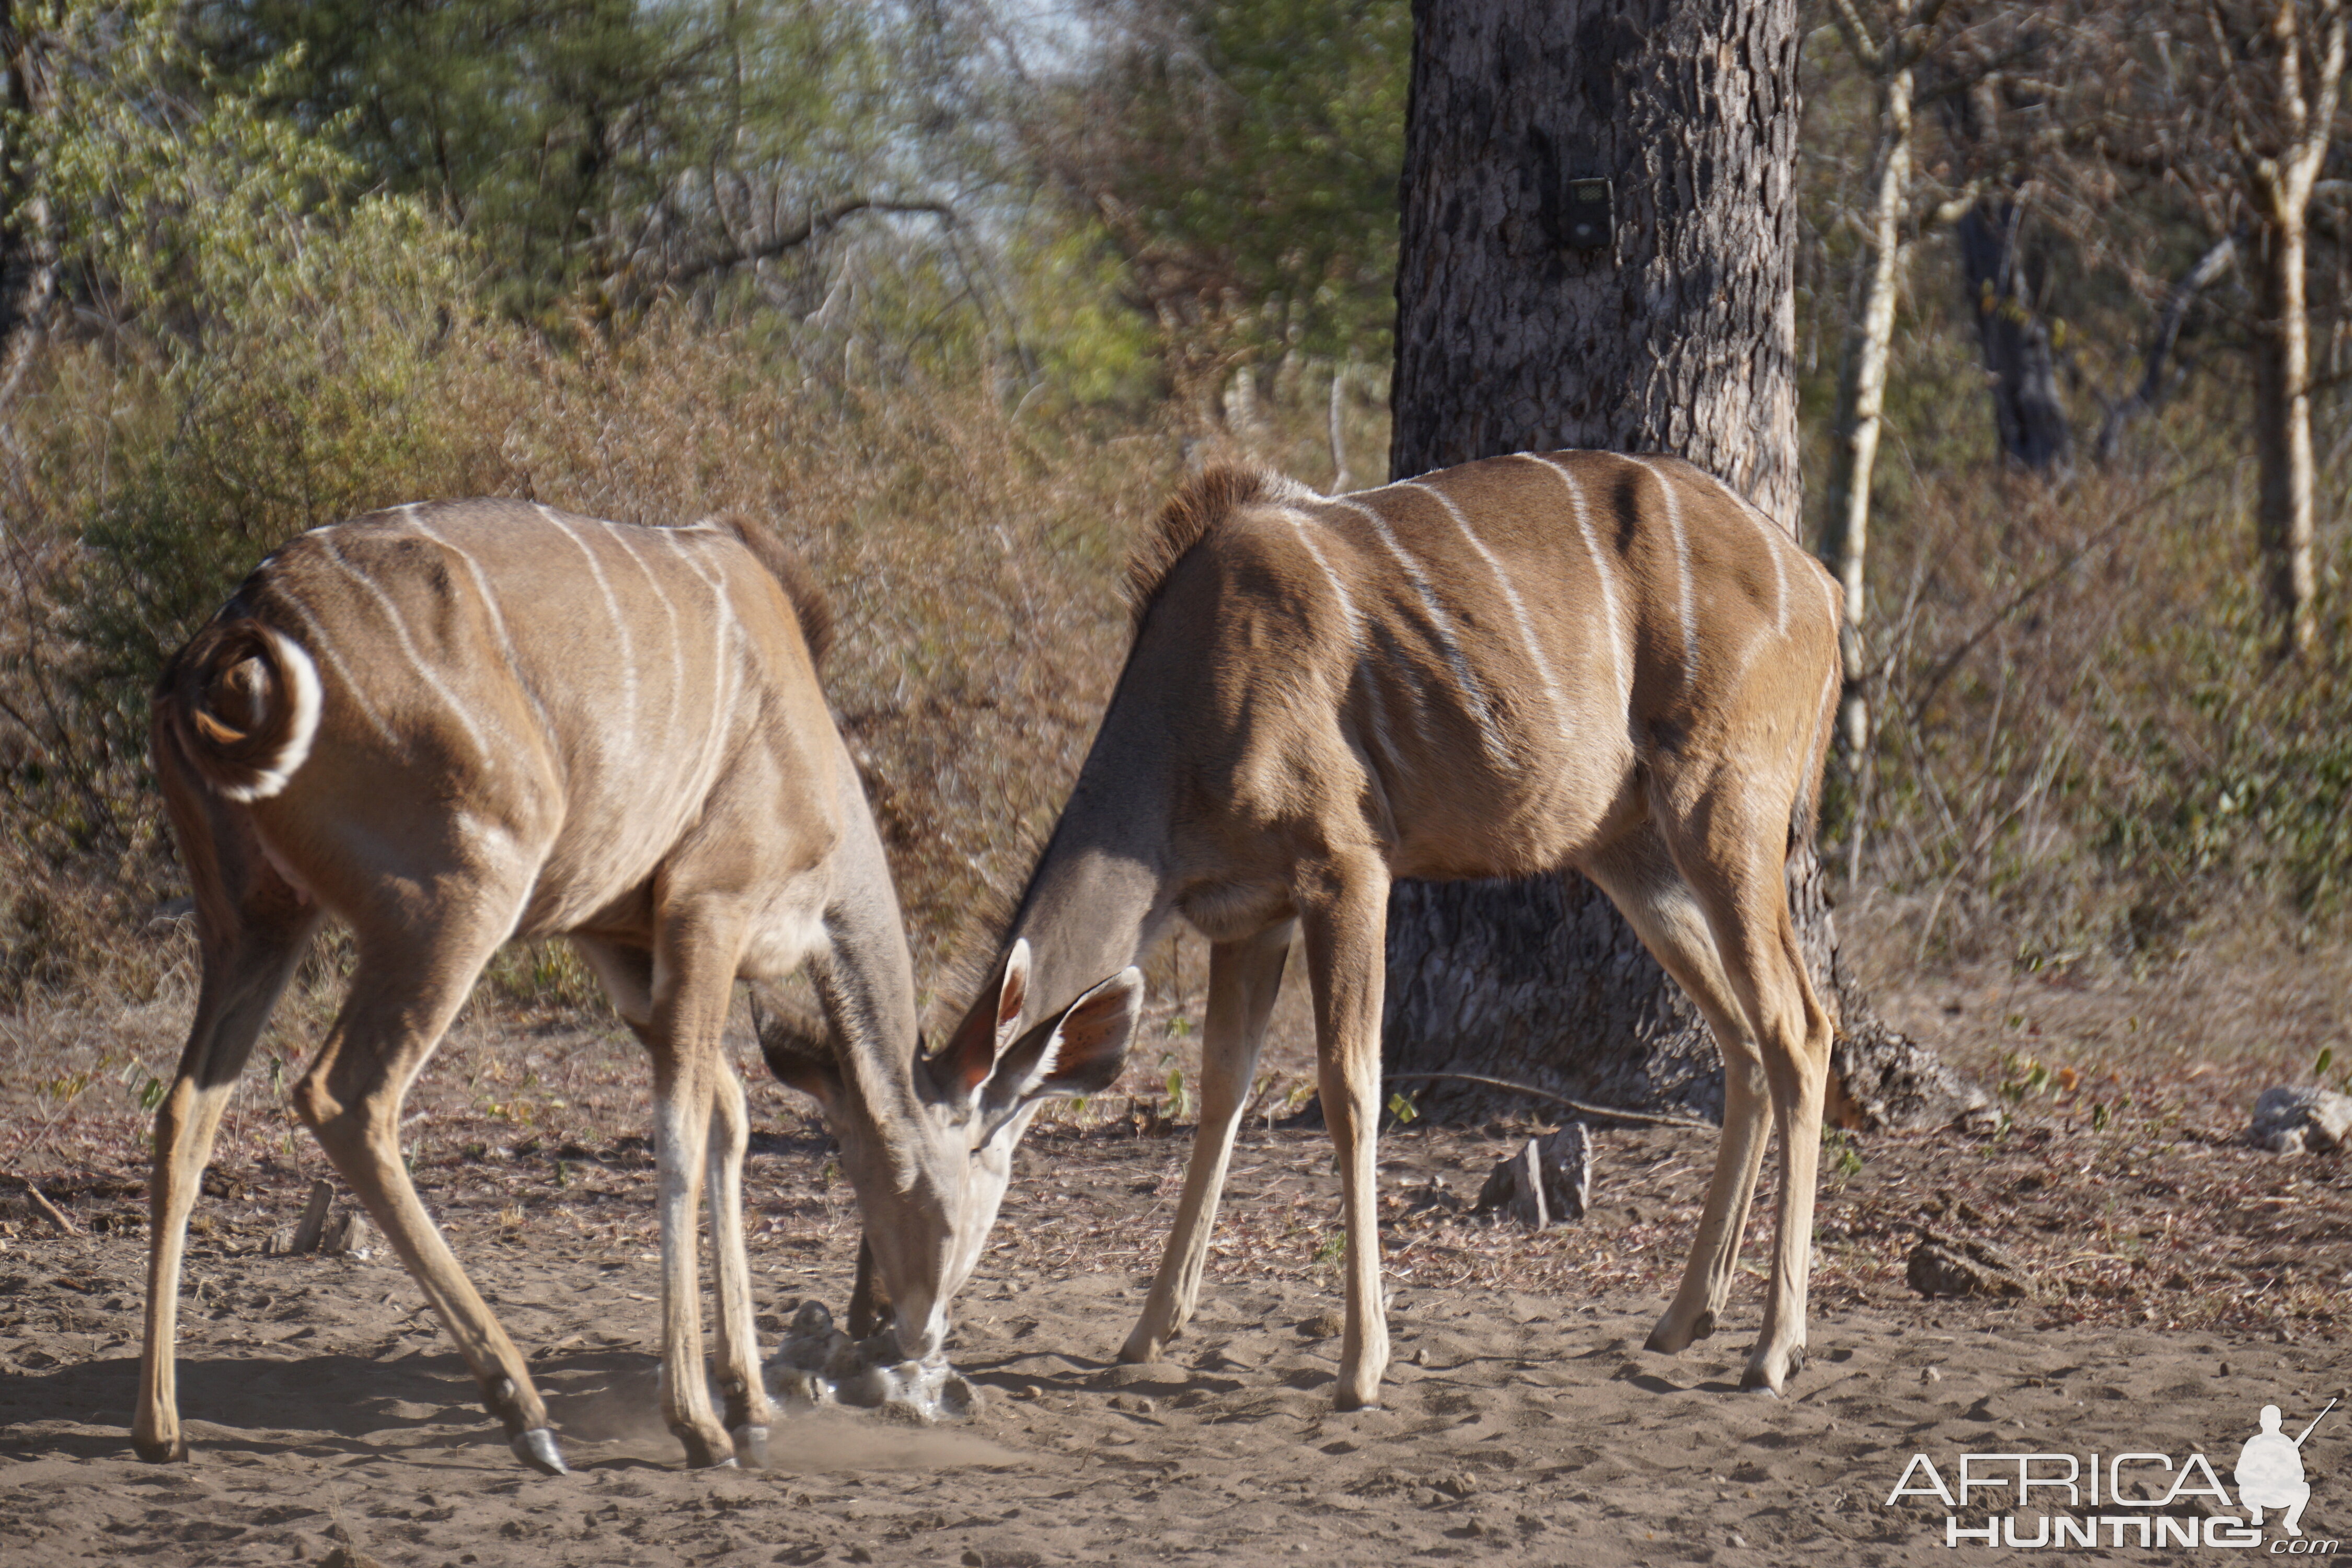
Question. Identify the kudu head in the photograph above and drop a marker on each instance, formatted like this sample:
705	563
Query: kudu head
929	1176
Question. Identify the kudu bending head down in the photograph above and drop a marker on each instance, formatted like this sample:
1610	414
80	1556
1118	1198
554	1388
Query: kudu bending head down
450	725
1523	665
929	1189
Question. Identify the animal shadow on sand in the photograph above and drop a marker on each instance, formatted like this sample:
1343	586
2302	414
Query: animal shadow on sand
323	1402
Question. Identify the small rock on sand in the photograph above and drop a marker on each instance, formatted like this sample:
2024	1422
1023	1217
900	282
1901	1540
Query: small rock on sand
2292	1120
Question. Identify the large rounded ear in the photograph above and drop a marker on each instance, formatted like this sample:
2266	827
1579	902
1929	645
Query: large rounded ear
798	1050
969	1054
1080	1052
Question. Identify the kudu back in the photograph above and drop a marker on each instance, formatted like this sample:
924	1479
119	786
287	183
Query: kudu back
1531	663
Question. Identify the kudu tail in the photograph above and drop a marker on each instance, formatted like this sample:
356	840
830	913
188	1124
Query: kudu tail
1805	811
792	573
239	705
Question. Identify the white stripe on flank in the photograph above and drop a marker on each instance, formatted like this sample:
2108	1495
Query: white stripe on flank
722	623
1683	595
1510	595
1775	541
424	670
1601	573
623	531
1449	642
1355	630
342	673
490	602
620	622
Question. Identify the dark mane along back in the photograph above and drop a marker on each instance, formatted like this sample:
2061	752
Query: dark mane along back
1198	510
792	574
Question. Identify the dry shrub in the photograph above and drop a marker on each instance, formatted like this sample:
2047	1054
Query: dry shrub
971	556
2086	749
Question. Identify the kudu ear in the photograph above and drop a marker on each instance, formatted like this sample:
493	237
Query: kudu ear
1081	1052
798	1050
958	1070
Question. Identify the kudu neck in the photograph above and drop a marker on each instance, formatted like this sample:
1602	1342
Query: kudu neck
1099	896
866	977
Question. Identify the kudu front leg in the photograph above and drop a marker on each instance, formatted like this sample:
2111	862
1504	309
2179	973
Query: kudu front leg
697	958
1244	978
1345	923
748	1412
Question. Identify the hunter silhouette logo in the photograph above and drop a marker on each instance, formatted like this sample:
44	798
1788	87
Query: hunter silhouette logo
2095	1499
2270	1471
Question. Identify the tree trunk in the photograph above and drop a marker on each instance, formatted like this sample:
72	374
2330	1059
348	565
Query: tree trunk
2020	366
1677	334
1862	398
2283	429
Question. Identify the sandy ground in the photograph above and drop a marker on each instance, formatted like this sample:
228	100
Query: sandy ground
2183	1282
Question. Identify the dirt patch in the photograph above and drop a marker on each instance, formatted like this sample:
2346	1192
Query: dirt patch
2182	1282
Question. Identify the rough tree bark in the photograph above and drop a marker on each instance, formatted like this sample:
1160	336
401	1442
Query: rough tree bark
1678	335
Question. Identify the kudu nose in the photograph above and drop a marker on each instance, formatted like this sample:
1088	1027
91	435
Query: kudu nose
921	1328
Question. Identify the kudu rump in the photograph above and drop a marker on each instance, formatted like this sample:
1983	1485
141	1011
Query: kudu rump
1523	664
455	724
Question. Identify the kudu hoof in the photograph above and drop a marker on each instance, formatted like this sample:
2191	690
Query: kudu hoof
1664	1341
751	1447
701	1453
171	1452
537	1447
1759	1378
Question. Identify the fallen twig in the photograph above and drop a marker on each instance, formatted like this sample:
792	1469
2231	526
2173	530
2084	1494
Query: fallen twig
1650	1118
49	1211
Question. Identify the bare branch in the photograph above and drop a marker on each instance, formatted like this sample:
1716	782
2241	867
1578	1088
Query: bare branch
818	224
1851	27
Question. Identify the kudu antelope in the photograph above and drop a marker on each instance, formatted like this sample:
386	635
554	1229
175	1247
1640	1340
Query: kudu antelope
1520	664
450	725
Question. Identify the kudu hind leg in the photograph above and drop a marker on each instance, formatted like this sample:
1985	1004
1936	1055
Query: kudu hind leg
1244	978
1769	969
1641	880
1345	924
1740	880
748	1412
401	1001
244	971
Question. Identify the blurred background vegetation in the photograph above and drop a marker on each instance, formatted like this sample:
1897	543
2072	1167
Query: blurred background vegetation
956	290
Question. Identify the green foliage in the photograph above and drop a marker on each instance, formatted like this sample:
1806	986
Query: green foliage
1180	1099
1246	157
2256	787
577	141
262	337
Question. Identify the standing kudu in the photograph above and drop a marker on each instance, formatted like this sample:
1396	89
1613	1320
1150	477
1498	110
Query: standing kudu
1521	664
453	725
